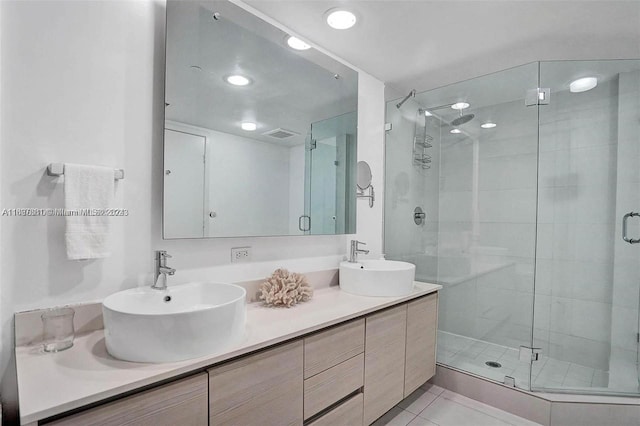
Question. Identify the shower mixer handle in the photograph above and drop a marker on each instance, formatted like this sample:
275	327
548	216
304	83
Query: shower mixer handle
625	218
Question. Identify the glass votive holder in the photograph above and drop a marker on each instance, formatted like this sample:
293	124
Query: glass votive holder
57	329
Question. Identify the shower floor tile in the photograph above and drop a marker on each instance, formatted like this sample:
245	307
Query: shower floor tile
580	373
471	355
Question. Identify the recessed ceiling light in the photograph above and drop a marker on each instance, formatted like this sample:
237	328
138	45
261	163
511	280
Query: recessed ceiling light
340	19
455	131
297	44
427	113
249	126
460	105
583	84
238	80
488	125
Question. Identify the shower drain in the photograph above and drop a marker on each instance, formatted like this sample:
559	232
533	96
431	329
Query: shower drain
493	364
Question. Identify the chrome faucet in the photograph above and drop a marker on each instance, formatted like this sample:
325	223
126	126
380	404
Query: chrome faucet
162	270
355	250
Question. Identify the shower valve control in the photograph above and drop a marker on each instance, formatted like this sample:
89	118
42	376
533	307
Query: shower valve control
419	216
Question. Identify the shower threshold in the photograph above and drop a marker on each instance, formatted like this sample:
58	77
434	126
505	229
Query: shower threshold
495	362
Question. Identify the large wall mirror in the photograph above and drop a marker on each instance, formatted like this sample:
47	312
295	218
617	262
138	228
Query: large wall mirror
260	137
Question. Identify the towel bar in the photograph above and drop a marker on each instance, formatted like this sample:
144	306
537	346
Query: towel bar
57	169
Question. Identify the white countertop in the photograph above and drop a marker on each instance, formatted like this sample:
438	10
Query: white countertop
50	384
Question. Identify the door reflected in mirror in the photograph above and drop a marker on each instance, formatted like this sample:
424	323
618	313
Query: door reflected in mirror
260	139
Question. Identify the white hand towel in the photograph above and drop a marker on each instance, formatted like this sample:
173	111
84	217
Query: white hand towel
87	187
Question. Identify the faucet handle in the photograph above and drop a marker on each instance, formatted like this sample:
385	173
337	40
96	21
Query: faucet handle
356	244
162	254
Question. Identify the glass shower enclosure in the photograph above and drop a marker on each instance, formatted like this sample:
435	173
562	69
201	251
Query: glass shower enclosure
529	179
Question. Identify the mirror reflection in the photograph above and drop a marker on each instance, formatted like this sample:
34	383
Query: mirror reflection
260	137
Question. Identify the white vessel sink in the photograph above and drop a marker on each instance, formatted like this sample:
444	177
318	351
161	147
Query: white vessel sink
181	322
377	277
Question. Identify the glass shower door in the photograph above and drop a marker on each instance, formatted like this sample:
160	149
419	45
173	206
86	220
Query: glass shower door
587	272
330	176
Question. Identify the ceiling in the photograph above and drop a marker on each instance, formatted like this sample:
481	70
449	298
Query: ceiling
428	44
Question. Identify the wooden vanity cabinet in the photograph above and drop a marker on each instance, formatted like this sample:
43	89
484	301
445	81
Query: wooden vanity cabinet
330	386
184	402
384	361
329	348
349	413
420	354
348	374
333	368
265	388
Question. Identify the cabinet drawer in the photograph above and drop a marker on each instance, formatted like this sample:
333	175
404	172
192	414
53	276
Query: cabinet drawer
261	389
329	348
183	402
330	386
349	413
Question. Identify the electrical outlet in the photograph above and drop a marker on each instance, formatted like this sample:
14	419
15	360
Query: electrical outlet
240	254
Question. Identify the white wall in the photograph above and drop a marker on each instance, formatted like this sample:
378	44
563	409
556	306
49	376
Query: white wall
248	186
83	82
371	150
248	183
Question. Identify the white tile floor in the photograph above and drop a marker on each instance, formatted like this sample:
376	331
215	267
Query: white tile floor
433	406
470	355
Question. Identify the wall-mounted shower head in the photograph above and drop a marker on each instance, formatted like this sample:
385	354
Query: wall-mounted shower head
462	119
412	94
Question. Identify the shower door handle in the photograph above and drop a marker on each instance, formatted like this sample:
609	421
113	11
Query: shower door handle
624	228
304	223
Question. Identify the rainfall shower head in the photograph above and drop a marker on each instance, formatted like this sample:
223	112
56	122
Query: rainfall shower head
412	94
462	119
